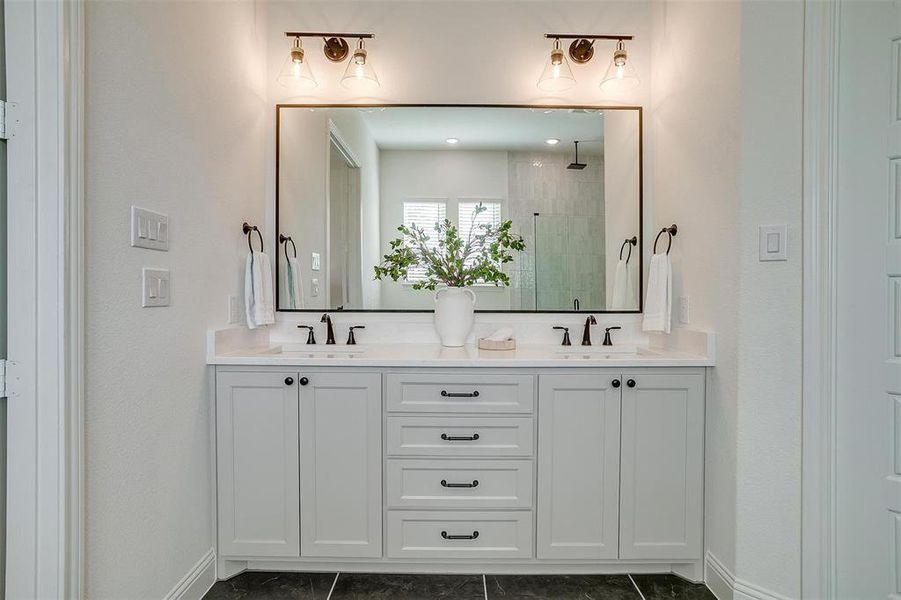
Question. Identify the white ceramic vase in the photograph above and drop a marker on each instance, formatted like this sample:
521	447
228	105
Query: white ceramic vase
454	315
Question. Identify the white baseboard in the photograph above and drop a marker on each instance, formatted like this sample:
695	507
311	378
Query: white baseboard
726	586
198	581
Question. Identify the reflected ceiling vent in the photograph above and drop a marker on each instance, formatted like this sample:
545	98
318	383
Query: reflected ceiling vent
576	165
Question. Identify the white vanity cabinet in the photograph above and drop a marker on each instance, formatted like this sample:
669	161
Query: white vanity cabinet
415	469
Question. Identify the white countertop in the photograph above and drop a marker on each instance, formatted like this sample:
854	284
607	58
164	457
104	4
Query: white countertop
434	355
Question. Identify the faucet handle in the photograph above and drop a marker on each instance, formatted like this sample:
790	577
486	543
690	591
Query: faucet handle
607	330
566	341
351	341
311	337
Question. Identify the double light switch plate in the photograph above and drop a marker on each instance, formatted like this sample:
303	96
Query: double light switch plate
156	288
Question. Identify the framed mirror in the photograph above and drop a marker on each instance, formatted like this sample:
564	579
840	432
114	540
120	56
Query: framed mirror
569	179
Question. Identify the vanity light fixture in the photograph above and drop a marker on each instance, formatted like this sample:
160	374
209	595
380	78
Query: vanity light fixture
557	75
620	74
296	72
359	75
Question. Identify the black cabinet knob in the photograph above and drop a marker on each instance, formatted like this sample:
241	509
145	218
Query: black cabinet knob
615	383
289	381
304	381
631	383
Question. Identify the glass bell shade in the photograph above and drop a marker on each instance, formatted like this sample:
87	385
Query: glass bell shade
556	76
295	73
359	75
620	75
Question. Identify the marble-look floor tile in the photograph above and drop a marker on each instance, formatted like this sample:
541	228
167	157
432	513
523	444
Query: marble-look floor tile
561	587
372	586
667	587
263	585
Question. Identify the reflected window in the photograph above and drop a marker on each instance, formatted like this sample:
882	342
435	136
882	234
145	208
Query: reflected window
424	214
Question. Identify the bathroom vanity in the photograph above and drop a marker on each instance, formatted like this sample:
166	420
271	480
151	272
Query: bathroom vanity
410	458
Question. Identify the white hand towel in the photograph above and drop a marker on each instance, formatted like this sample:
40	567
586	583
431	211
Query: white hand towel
501	335
294	283
658	306
258	290
623	295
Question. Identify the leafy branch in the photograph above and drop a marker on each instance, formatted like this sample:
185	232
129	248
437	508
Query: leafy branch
453	261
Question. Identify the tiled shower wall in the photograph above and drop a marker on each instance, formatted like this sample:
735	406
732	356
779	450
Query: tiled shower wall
568	259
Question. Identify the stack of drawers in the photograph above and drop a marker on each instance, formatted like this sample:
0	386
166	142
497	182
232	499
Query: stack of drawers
460	469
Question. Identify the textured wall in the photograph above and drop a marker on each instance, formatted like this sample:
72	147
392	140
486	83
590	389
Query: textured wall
175	118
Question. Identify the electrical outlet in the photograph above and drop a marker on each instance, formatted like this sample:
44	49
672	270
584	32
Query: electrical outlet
684	310
149	229
314	288
233	313
155	287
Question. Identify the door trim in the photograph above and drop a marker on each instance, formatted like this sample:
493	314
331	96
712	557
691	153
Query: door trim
46	298
820	151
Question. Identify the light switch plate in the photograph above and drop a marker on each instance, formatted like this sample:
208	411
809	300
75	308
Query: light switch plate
233	312
684	310
156	289
773	242
314	288
315	261
149	229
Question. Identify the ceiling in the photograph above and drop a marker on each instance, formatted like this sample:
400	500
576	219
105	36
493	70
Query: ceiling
484	128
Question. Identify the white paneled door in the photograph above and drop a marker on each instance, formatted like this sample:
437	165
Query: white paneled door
341	464
578	466
868	303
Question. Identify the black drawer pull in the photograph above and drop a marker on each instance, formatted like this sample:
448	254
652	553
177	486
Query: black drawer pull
474	535
448	394
451	438
475	483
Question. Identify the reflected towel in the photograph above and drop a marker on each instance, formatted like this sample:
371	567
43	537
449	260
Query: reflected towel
658	306
294	283
258	290
624	292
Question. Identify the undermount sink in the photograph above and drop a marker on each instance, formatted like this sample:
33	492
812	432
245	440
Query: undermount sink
311	351
596	352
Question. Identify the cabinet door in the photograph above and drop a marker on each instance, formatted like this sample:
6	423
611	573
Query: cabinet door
257	464
578	466
341	465
662	466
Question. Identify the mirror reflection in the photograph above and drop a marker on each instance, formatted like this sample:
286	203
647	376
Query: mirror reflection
567	179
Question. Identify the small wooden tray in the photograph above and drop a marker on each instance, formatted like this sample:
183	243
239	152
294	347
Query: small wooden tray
485	344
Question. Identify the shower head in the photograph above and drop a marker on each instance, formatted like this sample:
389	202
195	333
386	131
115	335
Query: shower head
576	165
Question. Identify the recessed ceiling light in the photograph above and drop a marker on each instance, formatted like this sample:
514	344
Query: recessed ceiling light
452	141
552	141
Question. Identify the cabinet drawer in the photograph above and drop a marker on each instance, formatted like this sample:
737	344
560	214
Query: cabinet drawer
459	436
445	392
451	534
459	483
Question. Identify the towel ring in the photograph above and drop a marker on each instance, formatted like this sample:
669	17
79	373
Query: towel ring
632	241
284	239
248	231
672	230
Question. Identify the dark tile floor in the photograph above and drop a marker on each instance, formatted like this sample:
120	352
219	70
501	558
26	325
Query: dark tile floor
373	586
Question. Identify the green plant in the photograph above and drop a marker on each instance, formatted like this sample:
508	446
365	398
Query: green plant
454	262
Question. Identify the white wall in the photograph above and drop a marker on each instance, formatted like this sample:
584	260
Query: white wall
454	176
726	158
175	121
621	194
